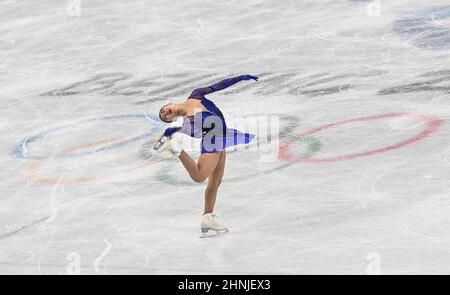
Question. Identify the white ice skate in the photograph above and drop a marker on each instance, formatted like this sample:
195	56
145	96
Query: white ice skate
171	144
209	223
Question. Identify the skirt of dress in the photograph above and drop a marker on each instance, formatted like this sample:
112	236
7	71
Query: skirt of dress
212	144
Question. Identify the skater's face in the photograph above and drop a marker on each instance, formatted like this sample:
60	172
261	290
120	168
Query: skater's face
167	113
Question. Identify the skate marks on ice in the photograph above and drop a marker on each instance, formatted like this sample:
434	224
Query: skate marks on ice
125	84
22	228
427	219
155	86
430	81
314	85
400	182
100	83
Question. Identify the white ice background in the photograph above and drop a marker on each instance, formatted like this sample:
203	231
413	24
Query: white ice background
79	77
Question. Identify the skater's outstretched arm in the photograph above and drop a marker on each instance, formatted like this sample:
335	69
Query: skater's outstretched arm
201	92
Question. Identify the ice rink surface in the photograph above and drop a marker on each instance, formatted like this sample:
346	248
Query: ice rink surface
366	83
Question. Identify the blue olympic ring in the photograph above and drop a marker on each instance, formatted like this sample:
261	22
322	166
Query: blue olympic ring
420	28
19	150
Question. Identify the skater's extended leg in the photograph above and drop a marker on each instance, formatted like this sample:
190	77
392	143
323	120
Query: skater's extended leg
203	168
214	181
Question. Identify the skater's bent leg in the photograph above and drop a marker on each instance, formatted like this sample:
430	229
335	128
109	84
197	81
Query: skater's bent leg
214	181
203	168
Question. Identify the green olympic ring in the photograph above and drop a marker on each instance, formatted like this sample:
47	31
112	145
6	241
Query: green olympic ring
314	145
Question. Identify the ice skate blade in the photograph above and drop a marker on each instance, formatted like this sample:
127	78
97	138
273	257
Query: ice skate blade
213	233
163	141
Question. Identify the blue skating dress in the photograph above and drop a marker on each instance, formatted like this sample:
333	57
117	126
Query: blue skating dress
211	127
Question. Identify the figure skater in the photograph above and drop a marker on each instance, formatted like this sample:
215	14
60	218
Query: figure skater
203	119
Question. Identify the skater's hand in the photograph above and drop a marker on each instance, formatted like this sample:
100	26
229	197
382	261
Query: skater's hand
171	130
249	77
